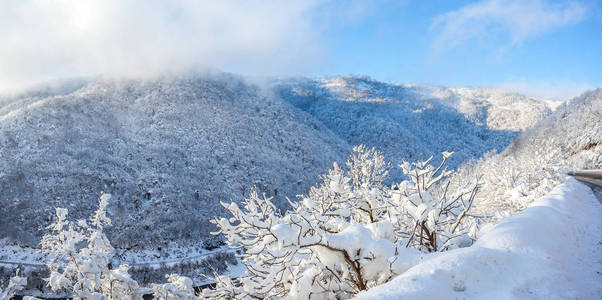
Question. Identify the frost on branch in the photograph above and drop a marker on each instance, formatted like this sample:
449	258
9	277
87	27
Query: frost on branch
347	235
79	256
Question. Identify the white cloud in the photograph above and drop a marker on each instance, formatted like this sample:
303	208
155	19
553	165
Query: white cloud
43	39
516	19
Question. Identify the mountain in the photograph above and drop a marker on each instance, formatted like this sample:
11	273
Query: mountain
408	121
169	149
497	109
536	161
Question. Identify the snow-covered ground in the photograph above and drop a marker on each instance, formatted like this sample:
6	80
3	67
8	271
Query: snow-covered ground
551	250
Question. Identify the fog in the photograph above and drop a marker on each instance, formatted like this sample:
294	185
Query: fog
47	40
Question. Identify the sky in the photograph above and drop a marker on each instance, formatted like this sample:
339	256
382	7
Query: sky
545	49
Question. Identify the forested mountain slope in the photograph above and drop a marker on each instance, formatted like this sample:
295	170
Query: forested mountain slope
569	139
408	121
169	149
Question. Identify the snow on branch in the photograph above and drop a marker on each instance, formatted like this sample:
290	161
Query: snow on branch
347	234
79	258
15	284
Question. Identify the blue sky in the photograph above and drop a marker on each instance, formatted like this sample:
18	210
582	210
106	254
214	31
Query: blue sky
550	49
399	42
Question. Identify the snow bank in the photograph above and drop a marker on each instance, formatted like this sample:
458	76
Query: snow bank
551	250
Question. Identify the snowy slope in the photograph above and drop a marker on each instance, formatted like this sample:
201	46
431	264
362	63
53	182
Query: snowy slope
497	109
168	150
408	121
575	129
569	139
550	250
494	108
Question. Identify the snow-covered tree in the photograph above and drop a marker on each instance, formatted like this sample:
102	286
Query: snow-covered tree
434	220
177	288
79	255
348	234
15	284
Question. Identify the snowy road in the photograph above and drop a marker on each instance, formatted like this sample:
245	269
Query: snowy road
593	178
136	264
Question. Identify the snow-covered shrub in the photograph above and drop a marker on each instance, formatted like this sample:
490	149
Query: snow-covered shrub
80	262
15	284
434	219
347	235
177	287
79	255
511	183
350	233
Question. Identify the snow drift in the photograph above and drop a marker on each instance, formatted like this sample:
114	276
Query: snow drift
548	251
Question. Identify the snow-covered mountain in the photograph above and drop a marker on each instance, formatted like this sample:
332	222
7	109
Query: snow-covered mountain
170	149
167	151
569	139
408	121
494	108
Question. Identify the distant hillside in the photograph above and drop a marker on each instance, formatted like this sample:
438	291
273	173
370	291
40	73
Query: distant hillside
170	149
569	139
410	121
494	108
